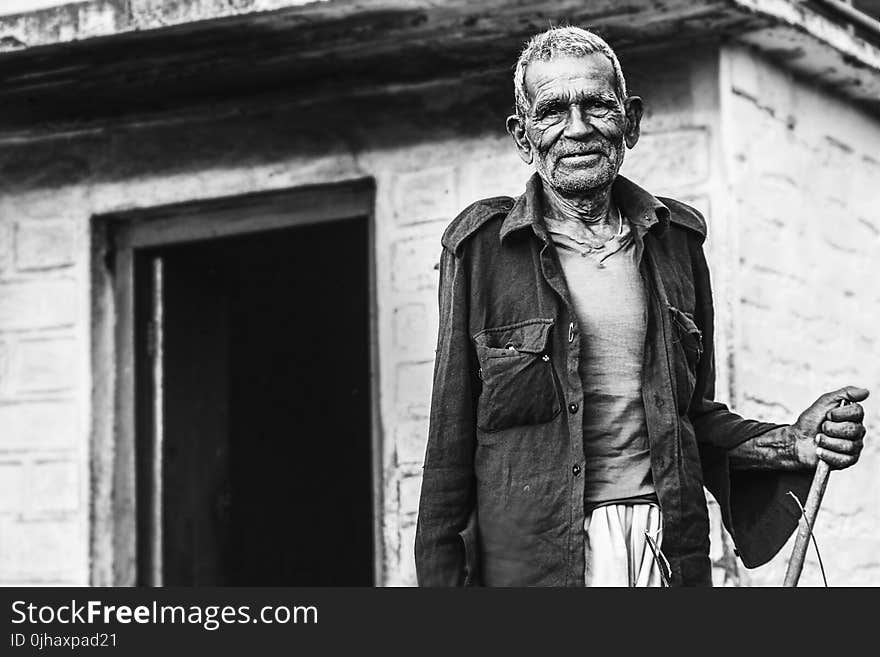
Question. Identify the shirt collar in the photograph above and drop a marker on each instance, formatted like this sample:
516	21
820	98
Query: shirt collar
640	207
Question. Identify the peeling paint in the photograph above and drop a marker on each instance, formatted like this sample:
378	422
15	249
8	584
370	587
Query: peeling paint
8	43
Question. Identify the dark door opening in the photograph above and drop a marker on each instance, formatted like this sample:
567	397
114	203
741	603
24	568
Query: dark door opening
253	412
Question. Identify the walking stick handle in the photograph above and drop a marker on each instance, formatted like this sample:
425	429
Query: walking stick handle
808	520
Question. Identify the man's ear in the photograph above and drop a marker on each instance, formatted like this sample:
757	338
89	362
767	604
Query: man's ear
517	129
633	108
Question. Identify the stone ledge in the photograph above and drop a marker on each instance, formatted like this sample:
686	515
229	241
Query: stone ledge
90	19
130	56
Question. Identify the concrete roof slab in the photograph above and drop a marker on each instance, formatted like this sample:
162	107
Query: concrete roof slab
96	59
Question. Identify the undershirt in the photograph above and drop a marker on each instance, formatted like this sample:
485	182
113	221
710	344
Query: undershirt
608	297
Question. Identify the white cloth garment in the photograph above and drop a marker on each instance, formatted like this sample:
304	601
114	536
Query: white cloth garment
617	550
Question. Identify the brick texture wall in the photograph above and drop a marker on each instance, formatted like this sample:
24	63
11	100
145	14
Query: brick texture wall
803	183
429	151
43	495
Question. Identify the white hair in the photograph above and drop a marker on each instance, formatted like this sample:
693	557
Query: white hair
561	42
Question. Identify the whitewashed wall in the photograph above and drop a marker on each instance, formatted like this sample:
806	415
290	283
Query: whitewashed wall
803	174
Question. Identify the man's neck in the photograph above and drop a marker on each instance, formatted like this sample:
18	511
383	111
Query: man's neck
592	209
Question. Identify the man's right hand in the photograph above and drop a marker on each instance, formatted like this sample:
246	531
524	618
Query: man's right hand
831	432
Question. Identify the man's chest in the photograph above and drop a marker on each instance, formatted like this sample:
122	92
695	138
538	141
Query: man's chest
532	281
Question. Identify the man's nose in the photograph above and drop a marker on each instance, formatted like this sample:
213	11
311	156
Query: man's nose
577	126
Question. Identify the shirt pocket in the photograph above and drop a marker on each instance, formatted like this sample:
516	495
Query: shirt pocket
688	343
519	382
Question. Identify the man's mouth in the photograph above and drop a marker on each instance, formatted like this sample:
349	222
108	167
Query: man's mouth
582	158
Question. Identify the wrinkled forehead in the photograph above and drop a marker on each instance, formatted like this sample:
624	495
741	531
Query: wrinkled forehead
567	76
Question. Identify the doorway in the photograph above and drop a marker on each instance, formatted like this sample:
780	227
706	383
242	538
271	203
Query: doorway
254	444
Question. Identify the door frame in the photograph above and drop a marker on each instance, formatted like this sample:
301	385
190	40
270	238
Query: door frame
115	239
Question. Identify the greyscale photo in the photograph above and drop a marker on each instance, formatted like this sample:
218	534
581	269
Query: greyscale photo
437	293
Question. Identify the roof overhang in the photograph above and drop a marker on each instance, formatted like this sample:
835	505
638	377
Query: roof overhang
95	60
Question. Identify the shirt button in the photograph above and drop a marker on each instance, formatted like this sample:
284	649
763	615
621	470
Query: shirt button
573	408
575	469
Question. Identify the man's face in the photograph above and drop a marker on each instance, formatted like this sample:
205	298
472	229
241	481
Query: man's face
577	129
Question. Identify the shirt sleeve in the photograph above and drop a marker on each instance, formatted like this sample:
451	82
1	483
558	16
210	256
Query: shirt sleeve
448	485
755	506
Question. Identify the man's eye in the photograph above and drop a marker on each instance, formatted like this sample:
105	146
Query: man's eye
599	110
550	111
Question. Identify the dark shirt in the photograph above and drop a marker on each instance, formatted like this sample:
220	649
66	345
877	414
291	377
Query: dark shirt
502	500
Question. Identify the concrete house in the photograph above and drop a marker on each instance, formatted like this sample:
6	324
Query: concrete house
219	231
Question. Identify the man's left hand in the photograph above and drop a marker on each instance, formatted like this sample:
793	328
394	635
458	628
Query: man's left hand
830	432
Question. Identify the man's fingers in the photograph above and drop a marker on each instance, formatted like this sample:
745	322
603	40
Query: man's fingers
847	430
846	393
848	413
839	445
836	460
853	393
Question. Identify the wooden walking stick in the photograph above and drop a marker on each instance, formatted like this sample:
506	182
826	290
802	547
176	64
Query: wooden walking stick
807	521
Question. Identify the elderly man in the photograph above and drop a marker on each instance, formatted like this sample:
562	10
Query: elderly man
573	421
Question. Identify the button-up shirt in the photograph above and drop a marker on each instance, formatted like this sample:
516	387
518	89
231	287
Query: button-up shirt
502	498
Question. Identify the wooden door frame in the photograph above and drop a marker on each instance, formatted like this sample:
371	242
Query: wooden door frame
115	239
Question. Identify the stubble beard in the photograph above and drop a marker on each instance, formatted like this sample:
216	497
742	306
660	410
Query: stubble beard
578	183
